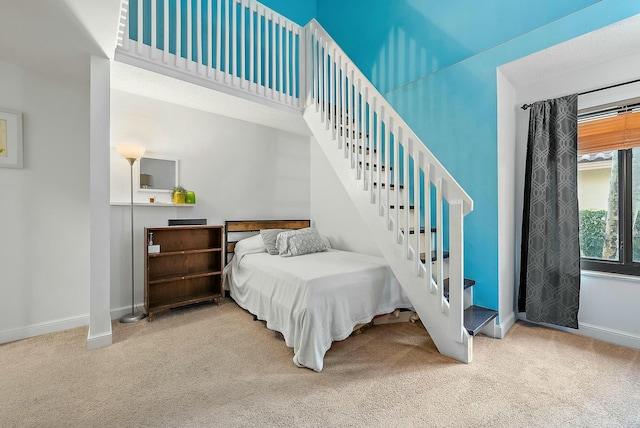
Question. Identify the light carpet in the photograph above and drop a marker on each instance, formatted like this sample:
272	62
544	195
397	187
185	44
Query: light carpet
213	366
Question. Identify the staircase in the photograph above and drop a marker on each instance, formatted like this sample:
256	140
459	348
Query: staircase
413	208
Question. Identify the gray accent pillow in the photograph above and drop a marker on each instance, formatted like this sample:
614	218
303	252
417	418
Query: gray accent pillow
299	242
269	237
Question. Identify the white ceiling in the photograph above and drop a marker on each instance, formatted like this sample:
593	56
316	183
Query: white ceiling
614	41
56	34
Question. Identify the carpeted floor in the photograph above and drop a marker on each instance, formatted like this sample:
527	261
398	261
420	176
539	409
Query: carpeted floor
213	366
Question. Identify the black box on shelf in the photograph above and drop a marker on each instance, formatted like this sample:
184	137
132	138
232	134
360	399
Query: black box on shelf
188	222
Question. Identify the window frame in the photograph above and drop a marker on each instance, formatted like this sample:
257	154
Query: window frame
625	264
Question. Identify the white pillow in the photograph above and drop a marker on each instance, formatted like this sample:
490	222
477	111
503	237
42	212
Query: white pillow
252	245
299	242
326	241
269	237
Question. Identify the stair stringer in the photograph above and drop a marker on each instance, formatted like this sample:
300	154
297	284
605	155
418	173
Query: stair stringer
428	305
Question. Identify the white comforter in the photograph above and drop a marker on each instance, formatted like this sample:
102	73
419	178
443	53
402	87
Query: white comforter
314	299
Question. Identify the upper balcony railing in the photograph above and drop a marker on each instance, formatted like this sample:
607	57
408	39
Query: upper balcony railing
238	44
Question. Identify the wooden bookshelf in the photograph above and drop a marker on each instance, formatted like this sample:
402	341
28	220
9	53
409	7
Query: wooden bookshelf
187	270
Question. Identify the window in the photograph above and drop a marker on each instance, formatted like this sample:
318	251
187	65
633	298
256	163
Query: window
609	189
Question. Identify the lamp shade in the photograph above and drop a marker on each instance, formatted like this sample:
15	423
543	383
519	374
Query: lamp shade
130	151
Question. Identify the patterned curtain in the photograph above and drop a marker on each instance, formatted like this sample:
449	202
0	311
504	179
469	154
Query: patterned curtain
550	254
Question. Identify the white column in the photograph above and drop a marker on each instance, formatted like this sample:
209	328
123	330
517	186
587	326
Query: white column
99	210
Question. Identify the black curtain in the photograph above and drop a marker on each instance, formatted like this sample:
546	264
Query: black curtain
550	253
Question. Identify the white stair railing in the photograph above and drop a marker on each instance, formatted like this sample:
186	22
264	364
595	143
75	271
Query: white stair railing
384	156
243	48
230	44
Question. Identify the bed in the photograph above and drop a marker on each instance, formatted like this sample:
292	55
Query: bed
312	299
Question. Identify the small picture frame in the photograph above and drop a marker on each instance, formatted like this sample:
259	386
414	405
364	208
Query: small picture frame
10	139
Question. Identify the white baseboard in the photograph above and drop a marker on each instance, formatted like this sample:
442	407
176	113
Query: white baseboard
43	328
118	313
609	335
100	340
498	330
604	334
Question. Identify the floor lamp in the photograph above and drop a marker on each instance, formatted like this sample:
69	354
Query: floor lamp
131	153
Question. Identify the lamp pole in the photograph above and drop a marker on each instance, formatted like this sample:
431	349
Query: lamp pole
131	154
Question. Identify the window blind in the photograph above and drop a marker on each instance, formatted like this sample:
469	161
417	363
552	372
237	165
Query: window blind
610	131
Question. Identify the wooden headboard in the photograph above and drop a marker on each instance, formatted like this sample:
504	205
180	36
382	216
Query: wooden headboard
236	230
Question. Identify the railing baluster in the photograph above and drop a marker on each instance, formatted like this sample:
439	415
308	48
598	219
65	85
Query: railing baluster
299	49
260	28
287	60
417	188
273	56
352	122
317	69
227	42
428	241
325	92
332	87
387	170
189	56
370	136
343	105
199	39
243	39
234	42
396	179
379	112
355	146
178	34
153	47
251	47
439	243
280	60
209	39
407	197
218	38
140	43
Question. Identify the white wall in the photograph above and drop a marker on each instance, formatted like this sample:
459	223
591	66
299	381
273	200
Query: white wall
608	303
332	209
44	213
506	195
239	170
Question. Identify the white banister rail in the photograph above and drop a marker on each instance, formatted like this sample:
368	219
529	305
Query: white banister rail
239	44
395	167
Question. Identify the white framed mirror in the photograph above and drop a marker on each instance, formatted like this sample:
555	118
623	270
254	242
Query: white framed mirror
156	174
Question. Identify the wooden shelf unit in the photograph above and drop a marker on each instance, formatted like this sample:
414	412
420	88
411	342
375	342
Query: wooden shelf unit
188	268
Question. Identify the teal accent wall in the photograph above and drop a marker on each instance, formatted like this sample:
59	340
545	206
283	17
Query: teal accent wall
299	11
436	63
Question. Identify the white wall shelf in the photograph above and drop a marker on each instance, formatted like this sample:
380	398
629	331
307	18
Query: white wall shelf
149	204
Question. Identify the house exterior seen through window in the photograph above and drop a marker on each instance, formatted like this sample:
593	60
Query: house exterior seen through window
609	190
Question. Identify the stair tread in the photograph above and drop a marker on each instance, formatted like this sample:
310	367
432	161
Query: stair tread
445	254
467	283
476	317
